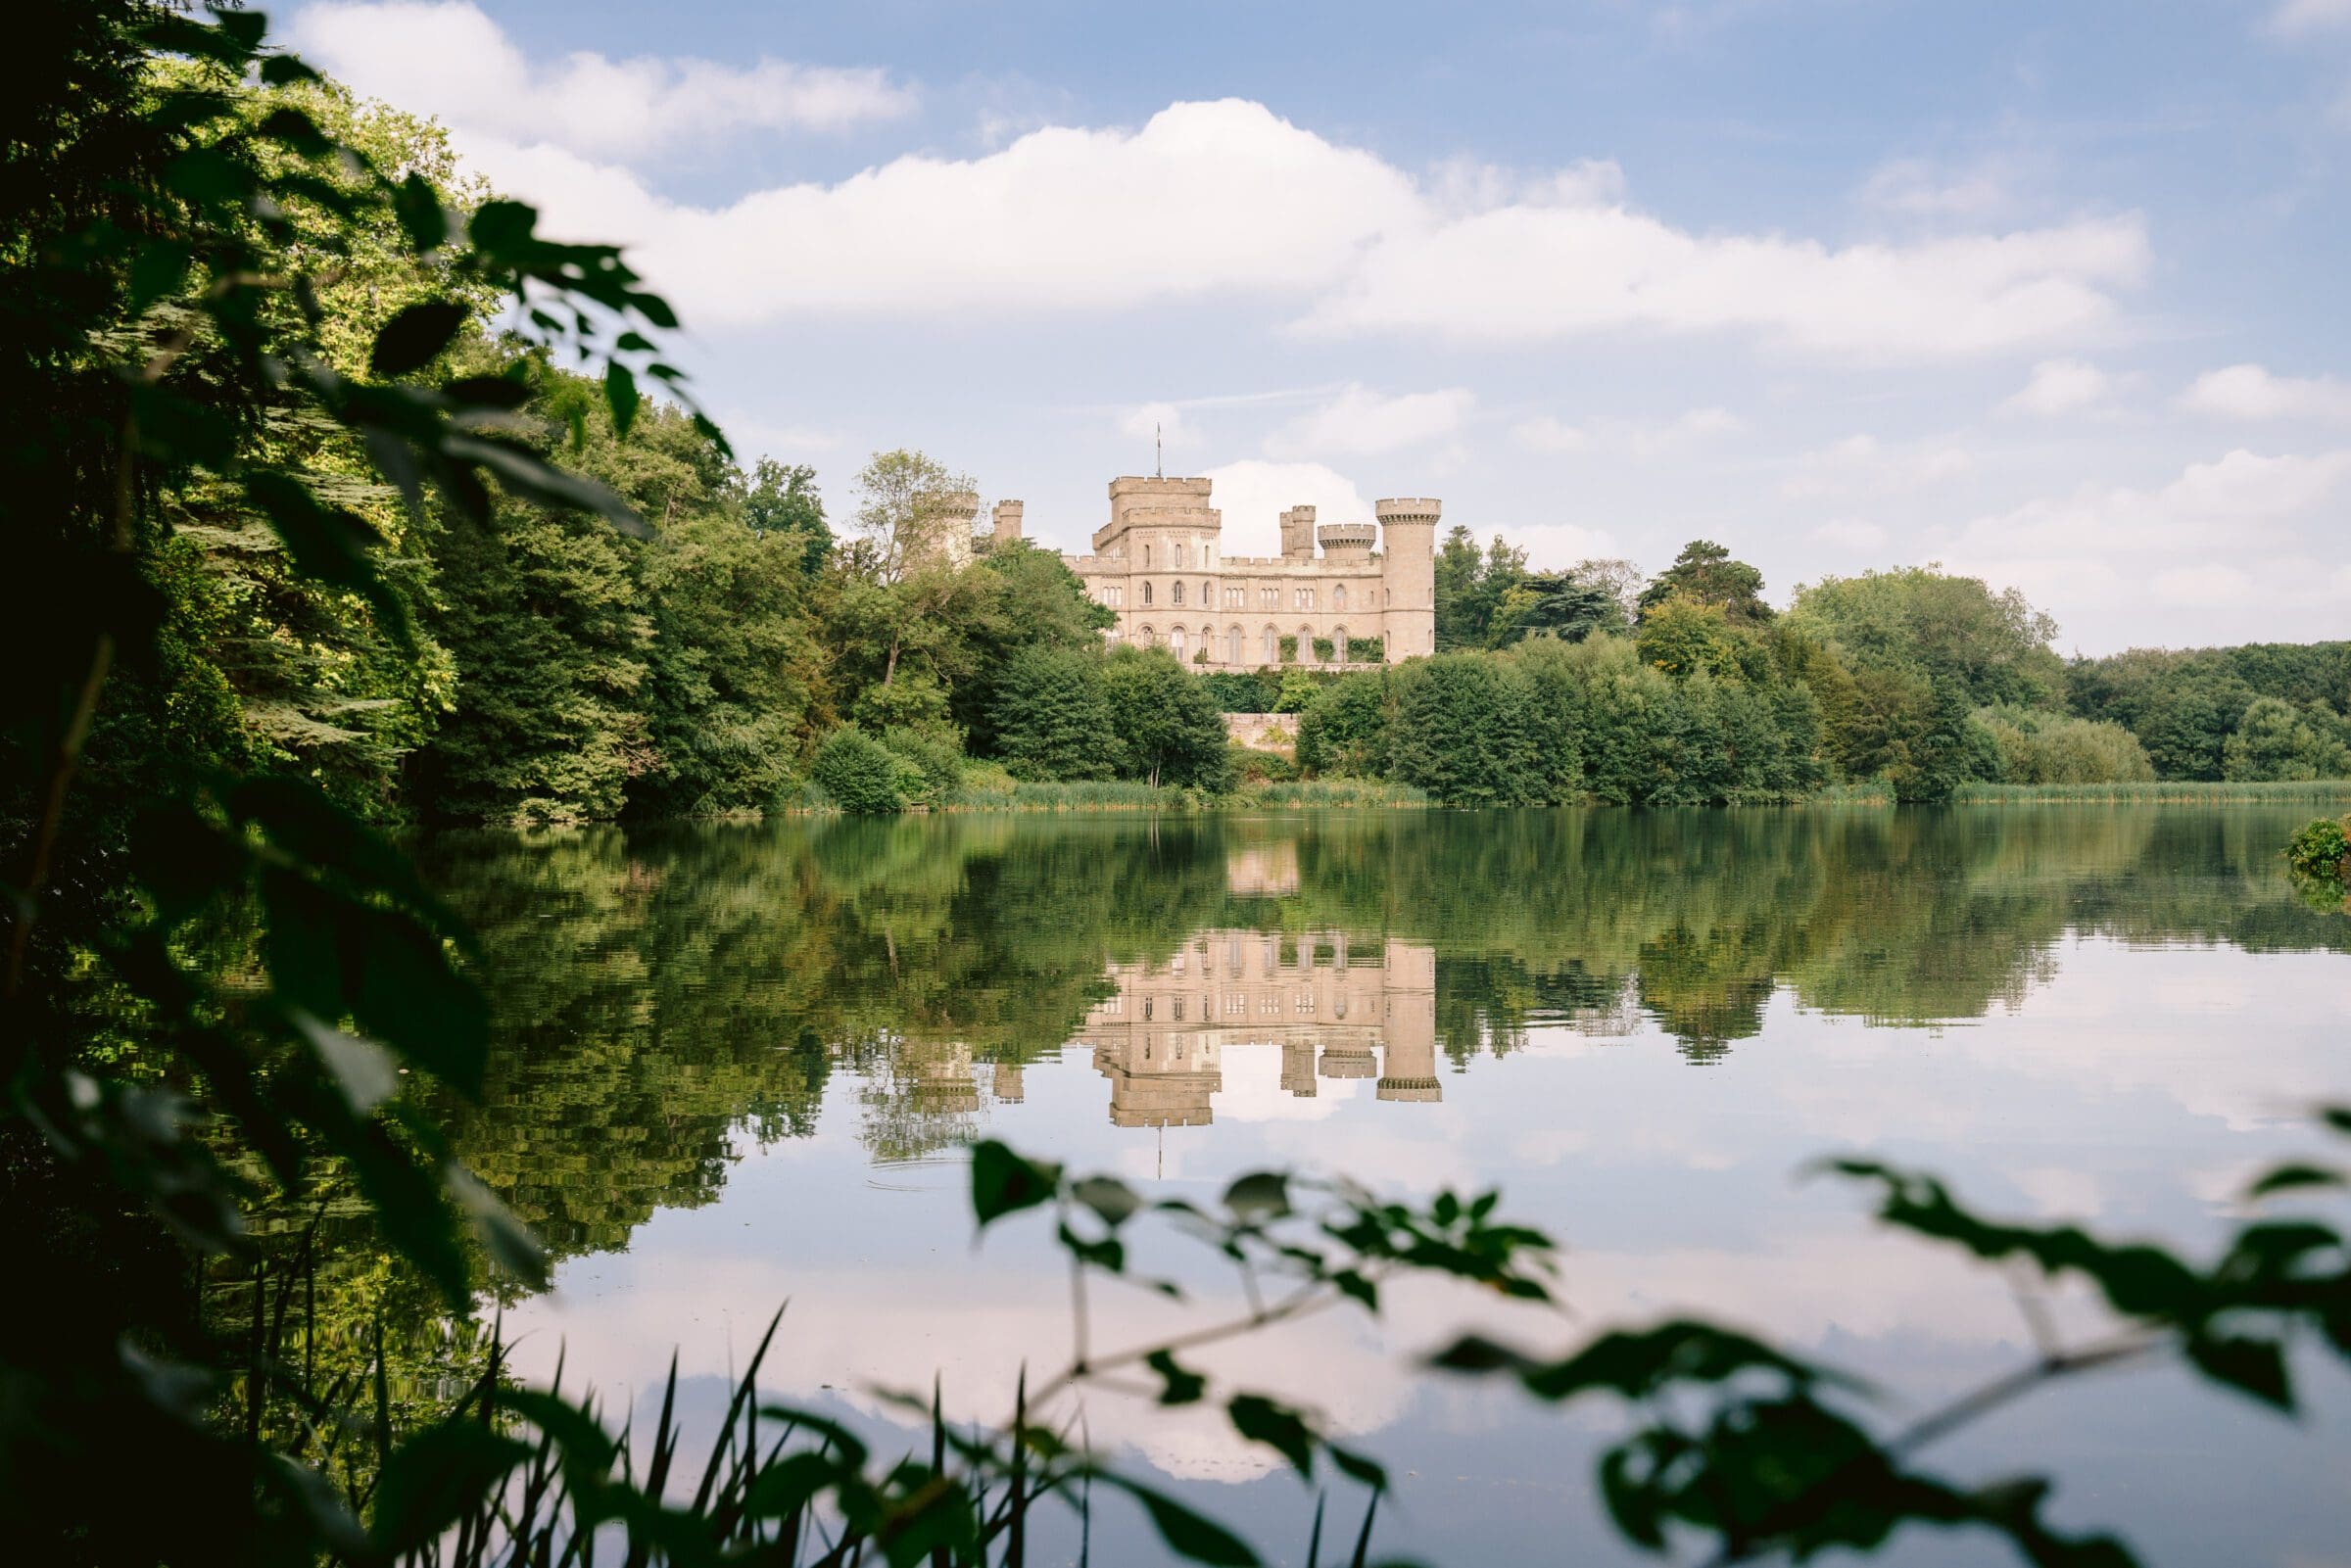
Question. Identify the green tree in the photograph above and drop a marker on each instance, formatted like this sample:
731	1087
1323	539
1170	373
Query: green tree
1165	725
1462	732
781	498
1051	715
1990	647
1023	597
1343	727
1705	572
2274	741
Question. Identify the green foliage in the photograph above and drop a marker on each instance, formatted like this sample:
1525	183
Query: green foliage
1953	631
1464	733
1683	635
1299	689
858	772
1052	715
2038	747
1325	650
1166	725
1344	729
1289	650
1470	587
2184	705
1705	573
2274	743
1367	649
1243	690
2319	848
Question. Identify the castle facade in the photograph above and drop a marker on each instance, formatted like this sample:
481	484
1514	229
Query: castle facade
1158	565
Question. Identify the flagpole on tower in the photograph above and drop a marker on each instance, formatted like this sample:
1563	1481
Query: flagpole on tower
1159	453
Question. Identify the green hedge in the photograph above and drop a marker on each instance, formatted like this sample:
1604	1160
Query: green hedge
1324	649
1367	650
1289	650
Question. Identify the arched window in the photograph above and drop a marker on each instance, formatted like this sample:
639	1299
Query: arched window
1338	644
1338	597
1146	558
1208	594
1146	637
1232	645
1179	561
1175	593
1179	642
1146	592
1272	645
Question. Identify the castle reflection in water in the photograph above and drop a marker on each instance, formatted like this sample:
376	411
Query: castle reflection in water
1335	1010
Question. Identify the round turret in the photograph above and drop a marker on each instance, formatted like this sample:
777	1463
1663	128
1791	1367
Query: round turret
1347	540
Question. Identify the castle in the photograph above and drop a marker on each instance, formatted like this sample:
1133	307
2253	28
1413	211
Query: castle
1158	565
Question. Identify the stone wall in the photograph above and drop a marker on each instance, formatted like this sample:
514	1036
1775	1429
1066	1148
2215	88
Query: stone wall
1267	732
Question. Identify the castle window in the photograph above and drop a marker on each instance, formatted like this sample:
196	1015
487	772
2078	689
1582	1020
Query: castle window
1146	558
1272	645
1146	1007
1208	596
1338	597
1146	588
1232	646
1180	556
1177	642
1269	598
1114	595
1175	593
1147	638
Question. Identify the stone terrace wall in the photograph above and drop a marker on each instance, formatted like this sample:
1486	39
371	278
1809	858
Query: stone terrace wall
1267	732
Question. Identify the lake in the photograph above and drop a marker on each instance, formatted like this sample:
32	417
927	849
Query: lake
737	1066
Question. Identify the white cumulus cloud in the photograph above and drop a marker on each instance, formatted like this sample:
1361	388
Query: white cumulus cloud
1362	422
1861	465
1253	494
451	60
2295	16
2247	526
2059	387
1640	438
2251	393
1219	197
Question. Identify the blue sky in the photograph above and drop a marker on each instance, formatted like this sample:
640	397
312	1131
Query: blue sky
2047	294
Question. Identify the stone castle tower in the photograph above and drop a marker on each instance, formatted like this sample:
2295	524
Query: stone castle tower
1159	564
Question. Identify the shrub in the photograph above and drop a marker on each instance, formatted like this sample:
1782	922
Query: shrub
2321	849
1367	650
1289	650
1252	766
858	772
1325	650
930	764
1242	690
2034	746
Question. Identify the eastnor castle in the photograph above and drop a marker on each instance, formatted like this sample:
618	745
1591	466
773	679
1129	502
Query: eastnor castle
1159	564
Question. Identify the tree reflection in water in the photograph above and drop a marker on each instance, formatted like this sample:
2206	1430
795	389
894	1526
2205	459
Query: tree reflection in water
663	992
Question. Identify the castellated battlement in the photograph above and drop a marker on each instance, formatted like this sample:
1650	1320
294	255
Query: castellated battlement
1155	564
955	503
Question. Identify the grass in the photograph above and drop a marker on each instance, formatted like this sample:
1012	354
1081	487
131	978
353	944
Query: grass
2176	791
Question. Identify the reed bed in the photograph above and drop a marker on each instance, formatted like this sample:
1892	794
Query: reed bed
2177	791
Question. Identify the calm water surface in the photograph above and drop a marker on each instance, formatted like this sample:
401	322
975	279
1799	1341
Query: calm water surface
737	1064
